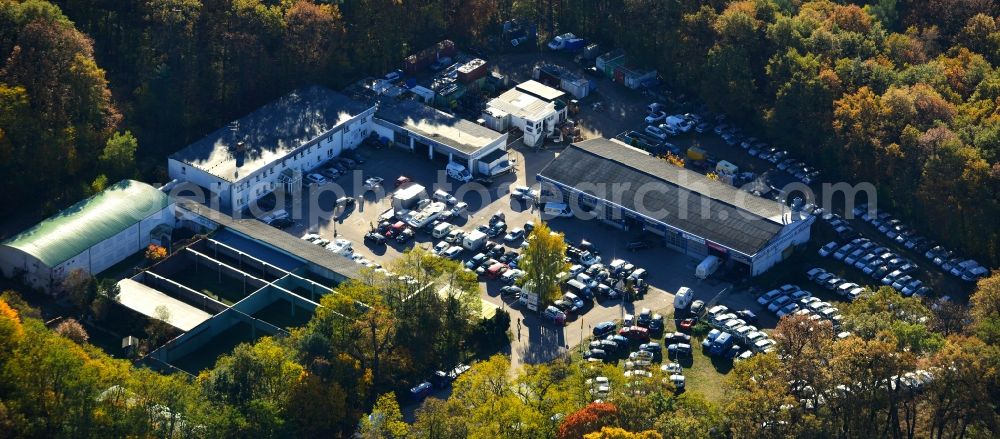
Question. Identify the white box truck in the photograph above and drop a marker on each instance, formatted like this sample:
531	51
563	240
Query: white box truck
474	240
683	298
707	267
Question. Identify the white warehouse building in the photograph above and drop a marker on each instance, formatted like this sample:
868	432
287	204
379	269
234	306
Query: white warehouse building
697	216
443	137
91	235
273	146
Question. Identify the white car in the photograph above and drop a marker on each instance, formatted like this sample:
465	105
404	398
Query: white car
523	192
440	247
655	117
588	259
815	272
316	178
373	182
341	247
672	368
452	252
762	345
445	197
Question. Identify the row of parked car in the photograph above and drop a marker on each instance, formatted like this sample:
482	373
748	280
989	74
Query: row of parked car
895	229
335	168
878	262
733	335
755	147
440	379
633	343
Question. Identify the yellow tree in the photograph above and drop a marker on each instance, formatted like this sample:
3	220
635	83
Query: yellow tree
986	309
385	421
618	433
543	261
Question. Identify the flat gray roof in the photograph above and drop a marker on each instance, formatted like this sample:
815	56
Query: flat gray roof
681	198
270	132
464	136
540	90
279	239
522	105
145	300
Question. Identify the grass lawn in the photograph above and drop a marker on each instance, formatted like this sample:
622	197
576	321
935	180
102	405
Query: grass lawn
206	281
705	375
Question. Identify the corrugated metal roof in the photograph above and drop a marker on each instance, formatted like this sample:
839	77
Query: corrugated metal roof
88	222
679	197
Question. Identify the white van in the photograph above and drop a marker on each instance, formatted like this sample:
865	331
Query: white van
458	172
557	209
474	240
441	230
683	298
707	267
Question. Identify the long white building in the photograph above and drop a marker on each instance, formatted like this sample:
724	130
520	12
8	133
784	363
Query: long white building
627	187
273	146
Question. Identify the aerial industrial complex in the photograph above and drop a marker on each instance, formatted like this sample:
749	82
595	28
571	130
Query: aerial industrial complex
228	278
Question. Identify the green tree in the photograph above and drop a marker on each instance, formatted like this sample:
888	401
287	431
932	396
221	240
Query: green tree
985	310
385	420
118	158
543	261
257	381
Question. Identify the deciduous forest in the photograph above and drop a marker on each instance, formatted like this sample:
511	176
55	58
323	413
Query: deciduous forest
901	93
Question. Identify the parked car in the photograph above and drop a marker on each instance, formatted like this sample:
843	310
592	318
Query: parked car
679	350
604	328
374	238
555	315
636	333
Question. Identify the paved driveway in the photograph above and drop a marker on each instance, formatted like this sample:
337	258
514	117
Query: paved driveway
538	341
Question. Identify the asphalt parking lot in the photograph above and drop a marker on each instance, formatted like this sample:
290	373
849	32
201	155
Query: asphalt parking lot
536	341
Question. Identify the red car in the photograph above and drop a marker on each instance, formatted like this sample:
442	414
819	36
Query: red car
402	181
635	333
395	229
496	270
686	324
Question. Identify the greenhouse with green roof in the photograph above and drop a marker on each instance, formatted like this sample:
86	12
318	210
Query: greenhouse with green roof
92	235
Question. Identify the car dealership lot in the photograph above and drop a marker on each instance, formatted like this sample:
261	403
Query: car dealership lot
539	340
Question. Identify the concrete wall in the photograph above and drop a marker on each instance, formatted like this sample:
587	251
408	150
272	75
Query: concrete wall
196	338
14	262
791	235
